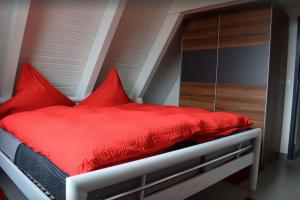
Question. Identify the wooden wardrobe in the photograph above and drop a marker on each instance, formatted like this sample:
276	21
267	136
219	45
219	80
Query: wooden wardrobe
234	60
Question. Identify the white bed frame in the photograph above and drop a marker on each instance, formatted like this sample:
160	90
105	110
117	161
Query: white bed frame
78	187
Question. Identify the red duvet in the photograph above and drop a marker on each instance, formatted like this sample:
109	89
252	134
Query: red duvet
79	140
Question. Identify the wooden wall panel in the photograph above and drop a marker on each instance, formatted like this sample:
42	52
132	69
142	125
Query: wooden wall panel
200	95
201	33
245	27
244	100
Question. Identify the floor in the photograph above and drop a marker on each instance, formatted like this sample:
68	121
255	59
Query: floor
279	181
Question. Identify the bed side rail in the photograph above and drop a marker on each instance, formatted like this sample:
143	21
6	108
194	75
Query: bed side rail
77	187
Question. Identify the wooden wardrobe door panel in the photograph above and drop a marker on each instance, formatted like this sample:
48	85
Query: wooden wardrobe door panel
242	81
199	95
231	63
247	65
244	63
199	61
245	100
198	77
200	33
245	27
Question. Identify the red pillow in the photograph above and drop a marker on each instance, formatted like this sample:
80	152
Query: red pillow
110	93
33	91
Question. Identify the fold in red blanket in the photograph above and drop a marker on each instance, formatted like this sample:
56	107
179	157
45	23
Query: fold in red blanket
79	140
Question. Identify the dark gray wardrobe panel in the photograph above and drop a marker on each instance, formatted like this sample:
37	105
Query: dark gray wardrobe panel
199	66
246	65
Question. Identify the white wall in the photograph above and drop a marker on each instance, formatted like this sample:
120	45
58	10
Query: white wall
289	85
135	35
165	85
174	94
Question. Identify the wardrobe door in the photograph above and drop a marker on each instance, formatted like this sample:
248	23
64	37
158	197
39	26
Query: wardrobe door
244	62
199	60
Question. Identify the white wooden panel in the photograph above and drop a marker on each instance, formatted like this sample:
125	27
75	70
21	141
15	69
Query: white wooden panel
106	30
6	11
19	13
135	35
58	39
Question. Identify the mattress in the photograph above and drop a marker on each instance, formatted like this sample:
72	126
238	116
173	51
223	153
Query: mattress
36	167
51	179
42	172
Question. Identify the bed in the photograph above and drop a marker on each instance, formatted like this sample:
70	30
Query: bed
176	173
118	174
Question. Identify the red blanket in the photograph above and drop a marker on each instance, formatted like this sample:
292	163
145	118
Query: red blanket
79	140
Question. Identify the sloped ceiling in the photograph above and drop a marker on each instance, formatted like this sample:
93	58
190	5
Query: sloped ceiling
59	37
136	33
6	9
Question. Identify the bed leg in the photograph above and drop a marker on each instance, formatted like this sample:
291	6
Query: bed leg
255	165
73	191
